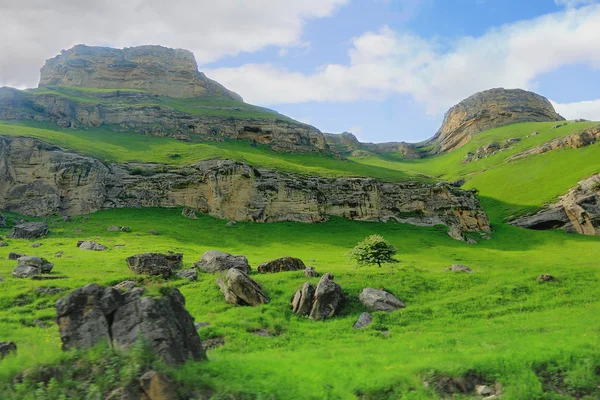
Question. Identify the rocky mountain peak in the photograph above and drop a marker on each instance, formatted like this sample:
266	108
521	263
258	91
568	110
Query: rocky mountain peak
487	110
156	69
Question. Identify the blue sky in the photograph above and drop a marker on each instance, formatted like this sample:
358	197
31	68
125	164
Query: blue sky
386	70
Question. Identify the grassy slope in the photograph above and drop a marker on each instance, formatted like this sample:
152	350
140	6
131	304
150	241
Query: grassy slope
499	320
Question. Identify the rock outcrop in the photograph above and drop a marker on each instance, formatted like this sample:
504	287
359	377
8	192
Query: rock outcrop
40	179
490	109
346	144
156	69
578	211
281	265
238	288
93	313
215	261
28	230
155	263
379	300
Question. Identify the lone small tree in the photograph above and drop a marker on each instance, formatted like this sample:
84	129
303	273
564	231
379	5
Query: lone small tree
373	249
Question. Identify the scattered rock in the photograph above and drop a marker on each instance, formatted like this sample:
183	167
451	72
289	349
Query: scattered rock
199	325
303	299
484	390
379	300
327	298
458	268
213	343
455	385
153	232
90	245
281	265
231	223
66	218
545	278
30	266
155	263
125	229
119	247
125	285
310	272
15	256
558	125
93	313
238	288
36	245
262	333
156	386
364	320
189	213
113	228
58	255
214	261
29	230
49	291
190	274
7	348
534	134
47	277
3	243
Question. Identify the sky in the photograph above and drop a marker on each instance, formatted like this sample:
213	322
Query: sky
385	70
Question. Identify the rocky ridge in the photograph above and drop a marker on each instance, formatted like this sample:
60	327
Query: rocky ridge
39	179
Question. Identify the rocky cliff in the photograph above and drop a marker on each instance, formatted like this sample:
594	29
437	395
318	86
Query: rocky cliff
578	211
155	69
490	109
40	179
346	144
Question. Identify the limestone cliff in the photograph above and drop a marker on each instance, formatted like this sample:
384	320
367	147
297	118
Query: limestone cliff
156	69
40	179
490	109
578	211
347	144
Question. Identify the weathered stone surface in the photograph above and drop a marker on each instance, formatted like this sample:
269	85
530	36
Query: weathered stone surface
189	213
15	256
40	179
458	268
28	230
490	109
91	245
93	313
156	69
7	348
310	272
545	278
125	285
364	320
190	274
303	299
578	211
30	266
379	300
238	288
215	261
213	343
327	298
281	265
156	386
155	263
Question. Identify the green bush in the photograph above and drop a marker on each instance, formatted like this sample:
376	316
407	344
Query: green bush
373	250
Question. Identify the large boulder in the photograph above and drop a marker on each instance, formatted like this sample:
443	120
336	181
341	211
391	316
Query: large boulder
91	245
93	313
379	300
7	348
155	263
281	265
238	288
214	261
327	299
31	266
303	299
29	230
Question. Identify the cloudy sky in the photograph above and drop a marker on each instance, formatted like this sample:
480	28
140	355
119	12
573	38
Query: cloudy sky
386	70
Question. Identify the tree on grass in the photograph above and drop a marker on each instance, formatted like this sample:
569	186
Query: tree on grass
373	249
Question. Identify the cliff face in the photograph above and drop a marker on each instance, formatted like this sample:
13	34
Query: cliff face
156	69
347	144
39	179
490	109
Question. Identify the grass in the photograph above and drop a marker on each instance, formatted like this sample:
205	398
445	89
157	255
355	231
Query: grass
497	321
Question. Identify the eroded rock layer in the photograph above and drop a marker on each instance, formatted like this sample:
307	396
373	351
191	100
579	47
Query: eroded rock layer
40	179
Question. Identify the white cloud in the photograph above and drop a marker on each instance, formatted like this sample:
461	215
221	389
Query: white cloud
573	3
34	30
436	74
583	109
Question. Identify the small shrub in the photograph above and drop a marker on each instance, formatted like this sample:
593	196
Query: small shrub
373	250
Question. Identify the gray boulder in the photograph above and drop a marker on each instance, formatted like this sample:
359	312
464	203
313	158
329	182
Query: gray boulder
310	272
238	288
29	230
281	265
3	243
545	278
303	299
364	320
214	261
155	263
379	300
15	256
93	313
90	245
30	266
190	274
7	348
327	298
459	268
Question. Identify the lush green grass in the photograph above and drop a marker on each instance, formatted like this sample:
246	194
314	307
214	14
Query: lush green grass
498	321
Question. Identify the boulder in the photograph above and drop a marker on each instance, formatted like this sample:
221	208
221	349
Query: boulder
190	274
310	272
125	285
364	320
303	299
3	243
379	300
545	278
459	268
238	288
113	228
214	261
156	386
36	245
29	230
93	313
29	266
15	256
281	265
90	245
155	263
189	213
7	348
58	254
231	223
327	298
